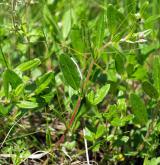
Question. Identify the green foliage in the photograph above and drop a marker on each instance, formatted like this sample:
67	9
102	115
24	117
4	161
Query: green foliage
117	23
29	65
70	71
27	105
138	109
77	72
96	98
66	23
10	78
43	82
100	30
153	161
149	89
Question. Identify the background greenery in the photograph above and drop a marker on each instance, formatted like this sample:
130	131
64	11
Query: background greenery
79	70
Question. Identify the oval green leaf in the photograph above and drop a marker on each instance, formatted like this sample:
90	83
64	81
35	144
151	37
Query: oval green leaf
119	63
96	98
150	90
71	71
138	109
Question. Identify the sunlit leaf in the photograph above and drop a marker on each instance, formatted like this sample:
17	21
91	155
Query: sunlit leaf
19	90
4	110
153	161
77	41
29	65
66	23
96	98
27	104
100	131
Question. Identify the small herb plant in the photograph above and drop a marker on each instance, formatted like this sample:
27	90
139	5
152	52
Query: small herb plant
80	81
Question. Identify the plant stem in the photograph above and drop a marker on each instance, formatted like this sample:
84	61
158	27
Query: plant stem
84	86
61	140
88	75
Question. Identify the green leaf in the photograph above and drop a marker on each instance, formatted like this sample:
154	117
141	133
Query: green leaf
119	63
48	97
111	113
150	90
19	90
13	78
71	71
112	74
156	73
116	20
66	23
77	41
144	8
138	109
100	31
29	65
131	6
27	104
118	122
153	161
10	78
50	20
70	145
130	69
114	116
140	73
117	37
152	19
44	81
4	110
89	135
128	118
100	131
121	104
95	99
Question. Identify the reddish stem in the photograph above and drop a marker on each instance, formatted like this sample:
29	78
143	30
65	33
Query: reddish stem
61	140
75	112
